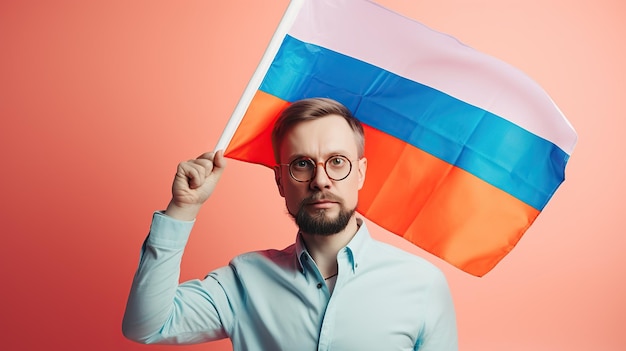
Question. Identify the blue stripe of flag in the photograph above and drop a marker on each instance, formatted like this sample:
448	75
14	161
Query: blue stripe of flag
493	149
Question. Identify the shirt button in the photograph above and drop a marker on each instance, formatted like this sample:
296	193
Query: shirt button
319	285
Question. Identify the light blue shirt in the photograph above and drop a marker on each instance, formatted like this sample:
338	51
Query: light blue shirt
384	299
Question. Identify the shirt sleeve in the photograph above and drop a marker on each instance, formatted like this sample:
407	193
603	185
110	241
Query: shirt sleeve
440	332
159	309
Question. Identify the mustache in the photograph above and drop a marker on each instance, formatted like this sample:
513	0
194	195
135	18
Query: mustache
321	196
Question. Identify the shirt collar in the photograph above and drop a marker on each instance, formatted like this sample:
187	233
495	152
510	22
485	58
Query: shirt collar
355	248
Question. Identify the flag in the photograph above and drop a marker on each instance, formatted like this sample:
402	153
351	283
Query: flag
464	151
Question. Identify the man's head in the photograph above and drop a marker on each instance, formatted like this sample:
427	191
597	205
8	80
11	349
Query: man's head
318	146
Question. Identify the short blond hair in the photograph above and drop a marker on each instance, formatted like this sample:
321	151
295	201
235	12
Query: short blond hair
310	109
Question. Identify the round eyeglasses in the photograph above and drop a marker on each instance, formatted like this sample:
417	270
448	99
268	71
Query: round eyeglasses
302	169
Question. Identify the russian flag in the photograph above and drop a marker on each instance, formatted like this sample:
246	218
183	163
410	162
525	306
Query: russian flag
464	151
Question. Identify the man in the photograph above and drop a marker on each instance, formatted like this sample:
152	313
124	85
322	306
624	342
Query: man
334	289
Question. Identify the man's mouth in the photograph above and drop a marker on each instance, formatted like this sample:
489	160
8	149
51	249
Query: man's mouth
322	204
321	201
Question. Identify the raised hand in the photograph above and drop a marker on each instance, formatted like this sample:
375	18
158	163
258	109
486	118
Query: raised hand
194	182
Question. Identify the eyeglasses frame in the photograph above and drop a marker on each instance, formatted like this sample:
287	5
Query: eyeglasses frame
316	165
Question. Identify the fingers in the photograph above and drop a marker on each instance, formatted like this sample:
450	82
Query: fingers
194	172
215	162
219	160
196	175
194	182
215	157
207	165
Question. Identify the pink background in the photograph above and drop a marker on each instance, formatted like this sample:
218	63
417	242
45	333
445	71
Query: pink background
101	99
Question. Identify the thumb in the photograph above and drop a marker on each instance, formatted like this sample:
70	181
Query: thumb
219	162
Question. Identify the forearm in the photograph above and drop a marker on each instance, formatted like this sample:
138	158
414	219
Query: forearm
151	300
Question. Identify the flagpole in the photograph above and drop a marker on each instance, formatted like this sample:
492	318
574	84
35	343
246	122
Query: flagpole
257	78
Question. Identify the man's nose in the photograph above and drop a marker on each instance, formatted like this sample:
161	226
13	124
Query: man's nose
320	179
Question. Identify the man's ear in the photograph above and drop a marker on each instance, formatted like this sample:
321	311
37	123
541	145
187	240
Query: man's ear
362	170
278	178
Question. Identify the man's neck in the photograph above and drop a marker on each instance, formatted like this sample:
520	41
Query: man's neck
324	248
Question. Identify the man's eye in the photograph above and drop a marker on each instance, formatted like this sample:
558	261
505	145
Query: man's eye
337	161
302	164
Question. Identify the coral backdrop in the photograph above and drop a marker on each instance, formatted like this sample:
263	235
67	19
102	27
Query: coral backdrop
100	100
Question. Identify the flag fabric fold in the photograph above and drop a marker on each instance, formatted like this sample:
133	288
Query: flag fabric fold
464	150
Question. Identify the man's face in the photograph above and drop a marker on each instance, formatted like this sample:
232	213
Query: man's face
320	204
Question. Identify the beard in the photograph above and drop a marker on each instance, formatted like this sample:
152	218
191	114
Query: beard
318	222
